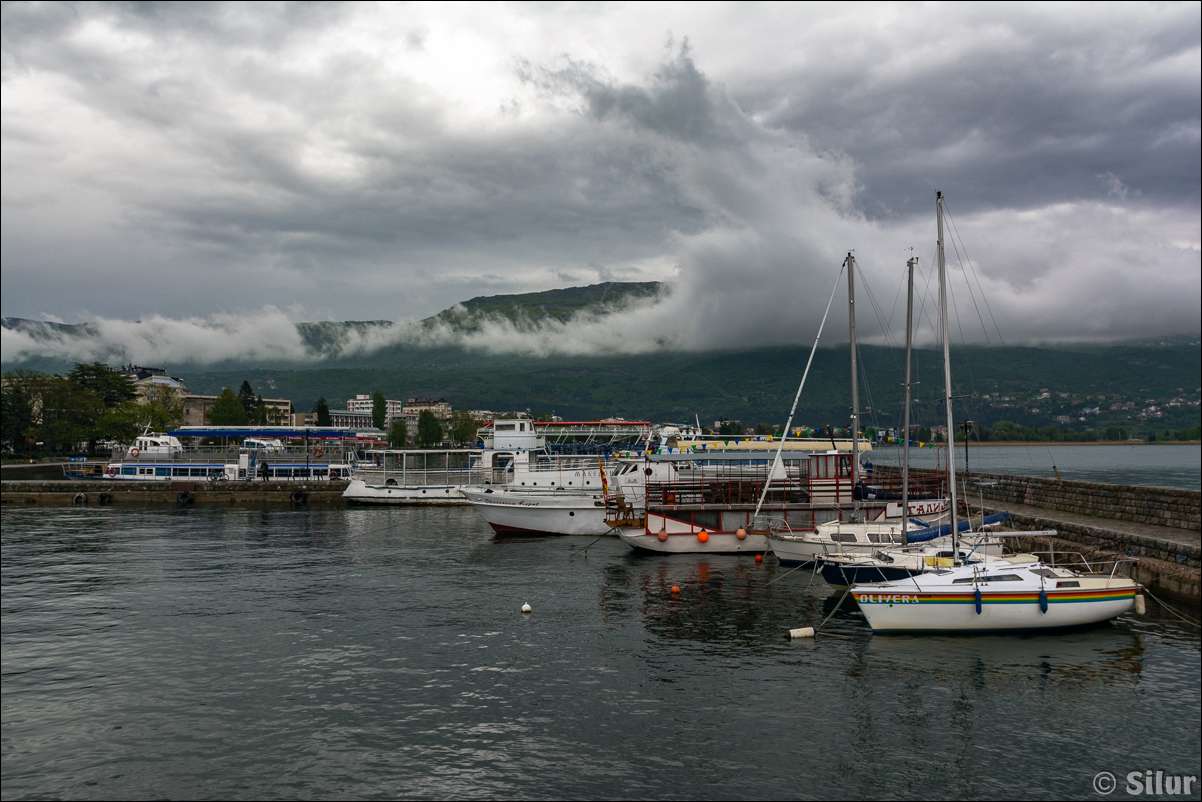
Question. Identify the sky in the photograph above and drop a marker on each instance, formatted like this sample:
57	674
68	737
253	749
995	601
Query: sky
194	178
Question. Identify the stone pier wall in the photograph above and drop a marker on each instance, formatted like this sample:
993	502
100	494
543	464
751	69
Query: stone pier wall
1160	506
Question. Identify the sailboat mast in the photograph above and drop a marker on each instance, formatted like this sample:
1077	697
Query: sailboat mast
947	381
855	387
906	417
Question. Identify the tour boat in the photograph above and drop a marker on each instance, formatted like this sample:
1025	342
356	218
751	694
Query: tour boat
257	454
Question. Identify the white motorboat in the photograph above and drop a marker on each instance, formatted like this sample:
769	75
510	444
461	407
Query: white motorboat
1018	593
511	511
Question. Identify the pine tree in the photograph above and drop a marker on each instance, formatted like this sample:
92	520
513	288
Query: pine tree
227	410
246	395
379	409
323	412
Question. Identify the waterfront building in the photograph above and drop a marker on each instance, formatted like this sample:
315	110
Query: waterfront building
439	406
364	403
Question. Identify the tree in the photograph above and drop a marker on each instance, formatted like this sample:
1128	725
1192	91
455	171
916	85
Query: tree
246	394
379	409
1115	433
463	428
162	408
398	434
323	412
764	428
111	387
259	418
227	410
21	404
429	430
731	427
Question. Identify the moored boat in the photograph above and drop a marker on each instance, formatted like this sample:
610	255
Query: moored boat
1008	594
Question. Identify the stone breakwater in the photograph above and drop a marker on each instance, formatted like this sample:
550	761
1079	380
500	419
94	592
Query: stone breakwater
1159	506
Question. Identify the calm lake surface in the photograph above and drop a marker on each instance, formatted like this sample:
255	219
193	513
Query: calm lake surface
381	653
1151	465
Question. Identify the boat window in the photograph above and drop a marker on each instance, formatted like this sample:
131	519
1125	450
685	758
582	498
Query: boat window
1072	583
964	580
1045	572
880	537
505	427
129	471
1004	578
843	537
162	471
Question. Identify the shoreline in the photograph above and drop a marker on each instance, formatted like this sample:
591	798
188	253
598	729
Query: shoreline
1008	443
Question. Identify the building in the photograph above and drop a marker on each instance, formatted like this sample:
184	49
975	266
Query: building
144	379
364	403
196	409
439	406
350	419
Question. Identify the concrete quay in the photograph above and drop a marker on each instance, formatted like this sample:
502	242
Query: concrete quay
67	492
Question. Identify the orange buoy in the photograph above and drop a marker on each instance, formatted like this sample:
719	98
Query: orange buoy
662	536
676	588
741	534
759	558
703	536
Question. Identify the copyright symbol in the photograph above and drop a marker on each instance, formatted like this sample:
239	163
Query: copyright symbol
1103	782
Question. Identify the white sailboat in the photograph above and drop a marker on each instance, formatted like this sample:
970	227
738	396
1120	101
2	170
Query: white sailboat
1019	593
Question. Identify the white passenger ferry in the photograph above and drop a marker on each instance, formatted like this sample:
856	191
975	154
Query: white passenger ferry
231	453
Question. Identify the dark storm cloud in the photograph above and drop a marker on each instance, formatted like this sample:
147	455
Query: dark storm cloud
1023	109
173	162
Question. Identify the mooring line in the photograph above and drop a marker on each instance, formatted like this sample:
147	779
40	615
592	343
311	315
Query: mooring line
1173	611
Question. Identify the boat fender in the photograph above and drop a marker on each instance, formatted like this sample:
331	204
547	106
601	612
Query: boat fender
741	534
299	497
803	632
185	497
104	498
1043	601
978	600
112	471
703	536
79	498
662	537
135	451
1141	606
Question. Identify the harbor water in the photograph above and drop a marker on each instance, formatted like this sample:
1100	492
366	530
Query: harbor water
353	653
1177	466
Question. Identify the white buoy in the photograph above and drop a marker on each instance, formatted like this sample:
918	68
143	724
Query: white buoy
1141	608
804	632
526	608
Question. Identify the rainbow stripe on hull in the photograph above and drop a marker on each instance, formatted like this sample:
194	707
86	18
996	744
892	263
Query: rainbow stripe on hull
933	603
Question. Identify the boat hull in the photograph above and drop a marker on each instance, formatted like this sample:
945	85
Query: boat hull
894	609
682	538
359	492
541	514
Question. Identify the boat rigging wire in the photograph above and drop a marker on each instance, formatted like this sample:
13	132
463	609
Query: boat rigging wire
796	398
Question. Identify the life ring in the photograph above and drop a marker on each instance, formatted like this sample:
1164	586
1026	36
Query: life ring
112	471
317	452
135	451
333	473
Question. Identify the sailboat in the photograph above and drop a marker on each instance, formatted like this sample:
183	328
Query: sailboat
1011	593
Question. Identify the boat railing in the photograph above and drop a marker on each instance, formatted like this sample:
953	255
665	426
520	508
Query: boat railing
1094	568
396	477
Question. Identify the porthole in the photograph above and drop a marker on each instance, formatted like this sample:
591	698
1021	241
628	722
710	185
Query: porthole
571	515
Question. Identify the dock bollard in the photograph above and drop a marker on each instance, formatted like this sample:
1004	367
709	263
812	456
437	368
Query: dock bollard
804	632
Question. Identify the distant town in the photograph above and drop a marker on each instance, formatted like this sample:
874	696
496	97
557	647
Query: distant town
95	404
